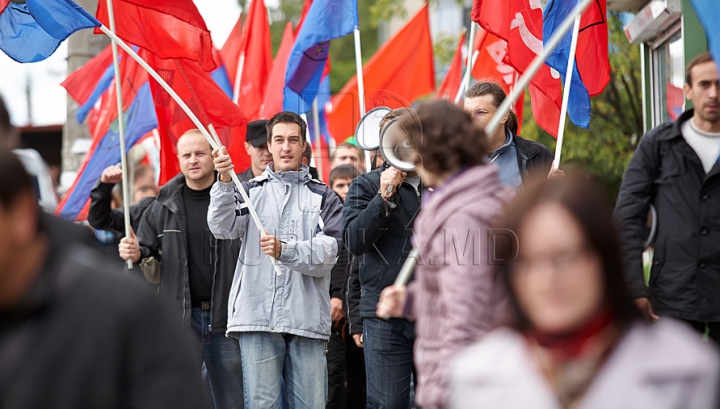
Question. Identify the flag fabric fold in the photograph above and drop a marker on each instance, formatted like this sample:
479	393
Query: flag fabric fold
325	21
591	73
33	30
206	100
394	77
168	29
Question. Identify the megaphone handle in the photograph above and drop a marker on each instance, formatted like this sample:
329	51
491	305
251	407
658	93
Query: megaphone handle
389	190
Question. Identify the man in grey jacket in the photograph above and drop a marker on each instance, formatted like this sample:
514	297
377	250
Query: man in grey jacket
281	319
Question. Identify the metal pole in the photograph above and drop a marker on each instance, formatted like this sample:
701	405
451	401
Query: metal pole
318	151
566	94
121	130
471	57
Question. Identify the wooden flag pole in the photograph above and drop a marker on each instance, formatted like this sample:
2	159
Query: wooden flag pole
535	66
194	120
121	131
566	94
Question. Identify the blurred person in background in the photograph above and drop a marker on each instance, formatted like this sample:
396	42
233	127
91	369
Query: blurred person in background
576	338
75	332
456	298
348	154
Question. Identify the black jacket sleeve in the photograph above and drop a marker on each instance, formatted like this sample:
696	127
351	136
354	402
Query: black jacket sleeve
352	298
365	214
100	215
631	211
339	273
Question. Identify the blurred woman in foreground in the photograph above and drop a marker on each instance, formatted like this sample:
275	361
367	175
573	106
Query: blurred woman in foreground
576	339
454	296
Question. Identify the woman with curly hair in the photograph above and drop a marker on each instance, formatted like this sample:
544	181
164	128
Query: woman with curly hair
454	298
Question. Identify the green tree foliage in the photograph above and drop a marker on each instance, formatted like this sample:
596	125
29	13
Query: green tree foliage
616	123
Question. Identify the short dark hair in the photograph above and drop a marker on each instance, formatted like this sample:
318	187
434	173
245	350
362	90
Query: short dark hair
14	180
699	59
582	196
445	137
307	153
348	145
491	88
286	117
343	172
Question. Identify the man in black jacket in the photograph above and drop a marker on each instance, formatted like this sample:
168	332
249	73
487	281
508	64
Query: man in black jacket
517	159
75	332
196	269
676	169
378	226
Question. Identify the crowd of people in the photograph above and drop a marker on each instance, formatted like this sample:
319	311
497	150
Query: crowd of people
281	292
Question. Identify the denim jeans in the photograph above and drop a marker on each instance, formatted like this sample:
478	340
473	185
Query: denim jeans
388	348
269	357
221	356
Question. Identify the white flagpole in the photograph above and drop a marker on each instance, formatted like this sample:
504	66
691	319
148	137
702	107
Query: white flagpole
361	87
238	78
566	94
121	131
318	151
535	66
192	117
471	56
466	79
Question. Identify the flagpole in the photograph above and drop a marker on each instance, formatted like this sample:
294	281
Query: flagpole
566	93
466	79
471	57
238	78
121	131
192	117
361	87
318	151
535	66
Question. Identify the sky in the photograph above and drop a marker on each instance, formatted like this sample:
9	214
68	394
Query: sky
48	98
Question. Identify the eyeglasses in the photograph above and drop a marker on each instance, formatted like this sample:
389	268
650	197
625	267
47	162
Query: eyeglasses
481	113
562	261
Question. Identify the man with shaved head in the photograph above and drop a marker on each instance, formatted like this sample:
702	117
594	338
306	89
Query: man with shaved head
196	269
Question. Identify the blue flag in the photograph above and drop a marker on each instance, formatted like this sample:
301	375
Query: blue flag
32	31
98	91
579	102
139	119
323	98
326	20
707	11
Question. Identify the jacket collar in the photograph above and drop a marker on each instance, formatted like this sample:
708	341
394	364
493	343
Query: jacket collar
171	194
299	177
676	130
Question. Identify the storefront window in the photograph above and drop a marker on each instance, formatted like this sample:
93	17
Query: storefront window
668	61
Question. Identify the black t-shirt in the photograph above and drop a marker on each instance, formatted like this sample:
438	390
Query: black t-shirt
200	243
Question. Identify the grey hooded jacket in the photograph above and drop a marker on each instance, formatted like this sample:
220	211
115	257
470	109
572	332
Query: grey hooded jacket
306	216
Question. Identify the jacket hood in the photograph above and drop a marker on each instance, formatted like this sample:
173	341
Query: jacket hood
467	192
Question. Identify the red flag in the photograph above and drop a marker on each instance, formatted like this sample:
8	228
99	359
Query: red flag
258	61
168	29
81	83
592	48
230	51
273	101
490	66
3	4
400	71
206	100
451	83
519	23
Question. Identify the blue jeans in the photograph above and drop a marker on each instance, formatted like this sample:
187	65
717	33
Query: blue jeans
221	356
269	357
388	348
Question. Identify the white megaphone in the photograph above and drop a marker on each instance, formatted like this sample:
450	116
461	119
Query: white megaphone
395	145
367	133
